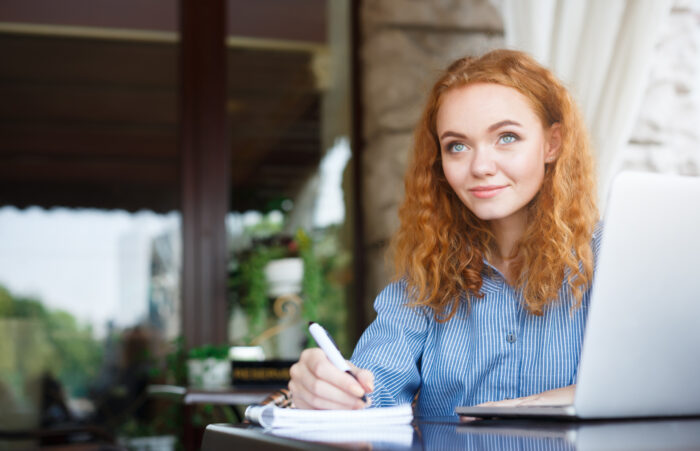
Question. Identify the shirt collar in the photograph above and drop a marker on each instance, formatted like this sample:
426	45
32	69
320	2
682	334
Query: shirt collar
492	279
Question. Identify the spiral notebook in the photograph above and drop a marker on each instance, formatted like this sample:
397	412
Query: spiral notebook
273	417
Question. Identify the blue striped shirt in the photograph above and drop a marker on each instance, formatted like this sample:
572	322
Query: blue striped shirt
497	351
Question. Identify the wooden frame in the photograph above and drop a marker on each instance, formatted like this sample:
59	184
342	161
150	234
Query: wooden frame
204	171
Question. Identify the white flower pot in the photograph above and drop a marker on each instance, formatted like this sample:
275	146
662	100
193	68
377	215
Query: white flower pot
284	276
208	374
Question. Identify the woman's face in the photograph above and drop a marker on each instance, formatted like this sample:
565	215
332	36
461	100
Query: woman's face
494	149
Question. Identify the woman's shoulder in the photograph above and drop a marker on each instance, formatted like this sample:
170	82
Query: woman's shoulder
393	294
395	286
396	297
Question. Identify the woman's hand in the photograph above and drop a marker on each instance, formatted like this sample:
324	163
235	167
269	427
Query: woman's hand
315	383
557	397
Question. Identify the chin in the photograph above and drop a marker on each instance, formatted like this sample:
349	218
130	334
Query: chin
487	216
490	214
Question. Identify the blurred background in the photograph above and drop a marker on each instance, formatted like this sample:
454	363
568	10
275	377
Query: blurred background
178	176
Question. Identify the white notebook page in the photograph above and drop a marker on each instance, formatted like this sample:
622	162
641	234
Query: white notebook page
271	416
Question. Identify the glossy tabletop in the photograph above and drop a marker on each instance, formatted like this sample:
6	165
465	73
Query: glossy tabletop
449	433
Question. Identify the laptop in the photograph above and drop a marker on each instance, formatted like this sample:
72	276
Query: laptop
641	347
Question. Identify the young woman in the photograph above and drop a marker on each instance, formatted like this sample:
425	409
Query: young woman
494	255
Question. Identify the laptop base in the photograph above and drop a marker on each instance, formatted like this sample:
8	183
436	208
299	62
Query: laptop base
566	412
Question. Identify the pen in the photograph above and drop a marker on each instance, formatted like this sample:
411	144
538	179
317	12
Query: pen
327	345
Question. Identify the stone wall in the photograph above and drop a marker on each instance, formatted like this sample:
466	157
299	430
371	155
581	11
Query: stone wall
666	137
405	44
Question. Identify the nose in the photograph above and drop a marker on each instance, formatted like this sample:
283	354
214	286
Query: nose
483	164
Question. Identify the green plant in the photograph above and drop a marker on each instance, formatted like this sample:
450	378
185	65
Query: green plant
175	369
209	351
252	287
58	343
335	269
321	287
248	285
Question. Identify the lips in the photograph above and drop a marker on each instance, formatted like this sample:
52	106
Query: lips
487	191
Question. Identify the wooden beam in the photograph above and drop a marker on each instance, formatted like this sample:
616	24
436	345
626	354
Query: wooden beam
100	171
128	196
205	165
88	62
65	103
85	140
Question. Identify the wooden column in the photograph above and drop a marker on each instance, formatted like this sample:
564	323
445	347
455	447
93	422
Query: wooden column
204	171
358	313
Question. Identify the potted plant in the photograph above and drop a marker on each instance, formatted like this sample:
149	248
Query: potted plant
272	268
208	367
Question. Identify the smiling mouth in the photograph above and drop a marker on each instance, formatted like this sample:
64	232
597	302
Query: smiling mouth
485	192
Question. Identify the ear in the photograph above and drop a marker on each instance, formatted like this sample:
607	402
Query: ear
553	143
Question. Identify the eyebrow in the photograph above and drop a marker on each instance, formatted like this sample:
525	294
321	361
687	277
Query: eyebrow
496	126
500	124
452	135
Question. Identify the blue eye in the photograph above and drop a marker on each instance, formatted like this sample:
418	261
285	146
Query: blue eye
457	147
507	138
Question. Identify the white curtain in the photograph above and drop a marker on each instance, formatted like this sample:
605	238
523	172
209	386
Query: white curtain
602	50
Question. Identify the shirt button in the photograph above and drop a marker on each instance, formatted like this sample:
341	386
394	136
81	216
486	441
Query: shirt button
511	338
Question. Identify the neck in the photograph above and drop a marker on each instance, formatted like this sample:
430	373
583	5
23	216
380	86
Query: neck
507	232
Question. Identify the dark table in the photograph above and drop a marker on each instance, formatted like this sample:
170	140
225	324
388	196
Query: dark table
449	433
189	398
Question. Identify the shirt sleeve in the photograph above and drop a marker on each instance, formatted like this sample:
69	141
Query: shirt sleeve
392	346
595	245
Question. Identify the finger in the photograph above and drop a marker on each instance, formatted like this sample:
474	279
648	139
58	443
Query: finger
324	370
465	419
331	380
326	384
300	397
365	377
305	399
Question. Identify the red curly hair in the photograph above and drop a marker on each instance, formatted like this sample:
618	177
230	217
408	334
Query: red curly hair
440	246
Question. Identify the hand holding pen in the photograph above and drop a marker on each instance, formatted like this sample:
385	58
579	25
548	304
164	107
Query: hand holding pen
323	379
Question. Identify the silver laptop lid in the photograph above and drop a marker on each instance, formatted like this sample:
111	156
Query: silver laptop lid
641	353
